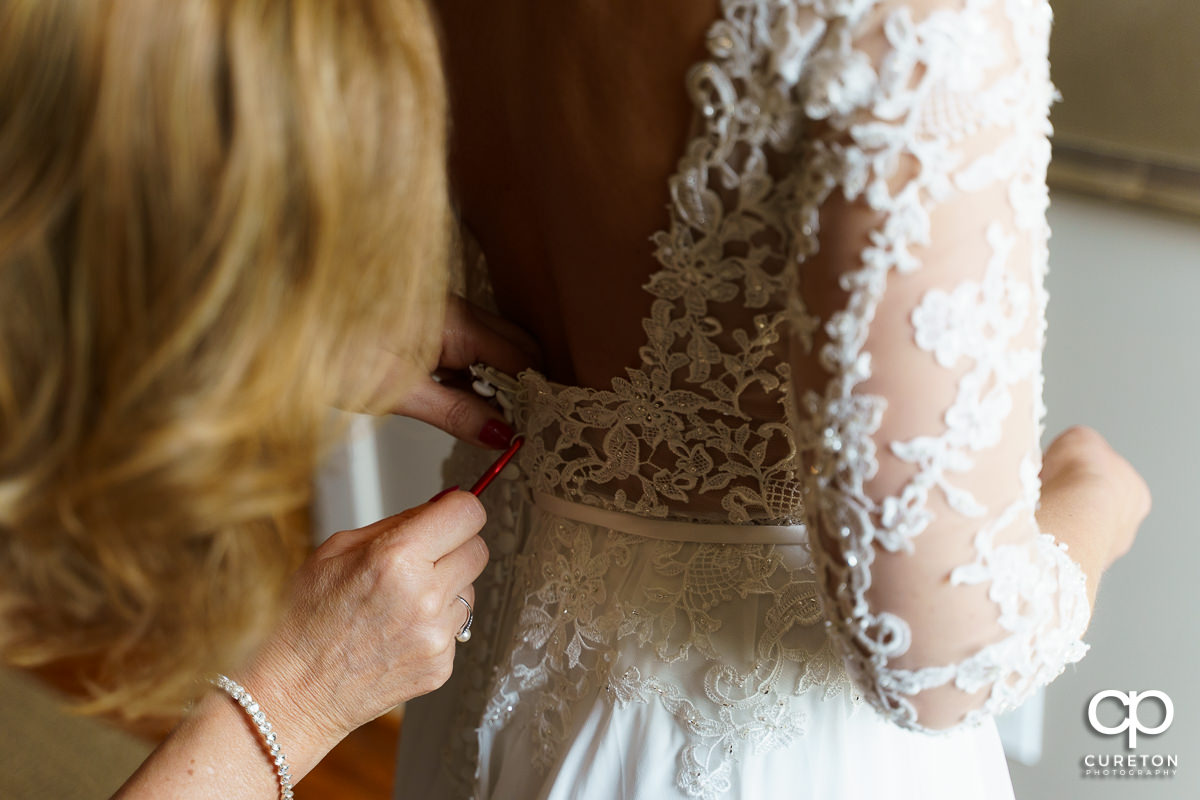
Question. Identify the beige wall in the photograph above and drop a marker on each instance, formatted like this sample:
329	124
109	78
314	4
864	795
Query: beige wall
1121	357
1129	72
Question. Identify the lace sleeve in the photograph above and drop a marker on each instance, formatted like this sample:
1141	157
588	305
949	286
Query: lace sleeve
918	373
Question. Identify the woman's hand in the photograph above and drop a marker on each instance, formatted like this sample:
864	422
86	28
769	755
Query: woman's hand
1080	461
373	617
371	623
1093	500
470	335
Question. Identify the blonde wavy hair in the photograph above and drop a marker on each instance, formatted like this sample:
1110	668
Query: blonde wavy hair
209	211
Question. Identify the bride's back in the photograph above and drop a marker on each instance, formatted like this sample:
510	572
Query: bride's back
631	175
569	119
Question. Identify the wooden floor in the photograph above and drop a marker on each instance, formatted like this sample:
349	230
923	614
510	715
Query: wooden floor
362	767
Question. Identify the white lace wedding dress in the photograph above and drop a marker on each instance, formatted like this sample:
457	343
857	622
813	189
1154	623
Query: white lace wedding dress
793	554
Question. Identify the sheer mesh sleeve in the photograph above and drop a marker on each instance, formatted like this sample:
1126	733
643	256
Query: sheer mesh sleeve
917	365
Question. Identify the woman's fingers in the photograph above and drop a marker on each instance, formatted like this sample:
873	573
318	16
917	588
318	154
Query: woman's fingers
459	413
427	533
464	563
472	335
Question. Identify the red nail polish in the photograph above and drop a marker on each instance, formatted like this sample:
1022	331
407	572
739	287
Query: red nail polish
442	493
496	434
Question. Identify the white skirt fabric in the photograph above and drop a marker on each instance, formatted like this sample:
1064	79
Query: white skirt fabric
649	660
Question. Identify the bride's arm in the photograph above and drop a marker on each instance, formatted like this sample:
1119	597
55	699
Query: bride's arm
919	390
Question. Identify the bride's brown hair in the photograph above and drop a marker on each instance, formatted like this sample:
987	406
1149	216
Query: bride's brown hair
207	207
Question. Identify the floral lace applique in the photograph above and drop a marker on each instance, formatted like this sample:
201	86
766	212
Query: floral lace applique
945	116
573	638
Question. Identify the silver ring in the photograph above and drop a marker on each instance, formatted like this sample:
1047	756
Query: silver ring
464	633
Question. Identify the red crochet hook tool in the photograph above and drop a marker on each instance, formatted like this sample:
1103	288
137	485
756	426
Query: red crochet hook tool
497	467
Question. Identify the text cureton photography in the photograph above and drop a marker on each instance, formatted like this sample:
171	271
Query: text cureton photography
1129	765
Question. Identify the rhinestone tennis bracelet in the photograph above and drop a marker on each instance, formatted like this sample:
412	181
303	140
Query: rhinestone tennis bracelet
259	718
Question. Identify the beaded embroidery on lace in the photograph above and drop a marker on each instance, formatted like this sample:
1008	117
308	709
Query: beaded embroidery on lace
790	110
932	91
571	633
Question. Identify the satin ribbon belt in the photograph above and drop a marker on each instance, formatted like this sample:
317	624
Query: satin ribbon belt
669	529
